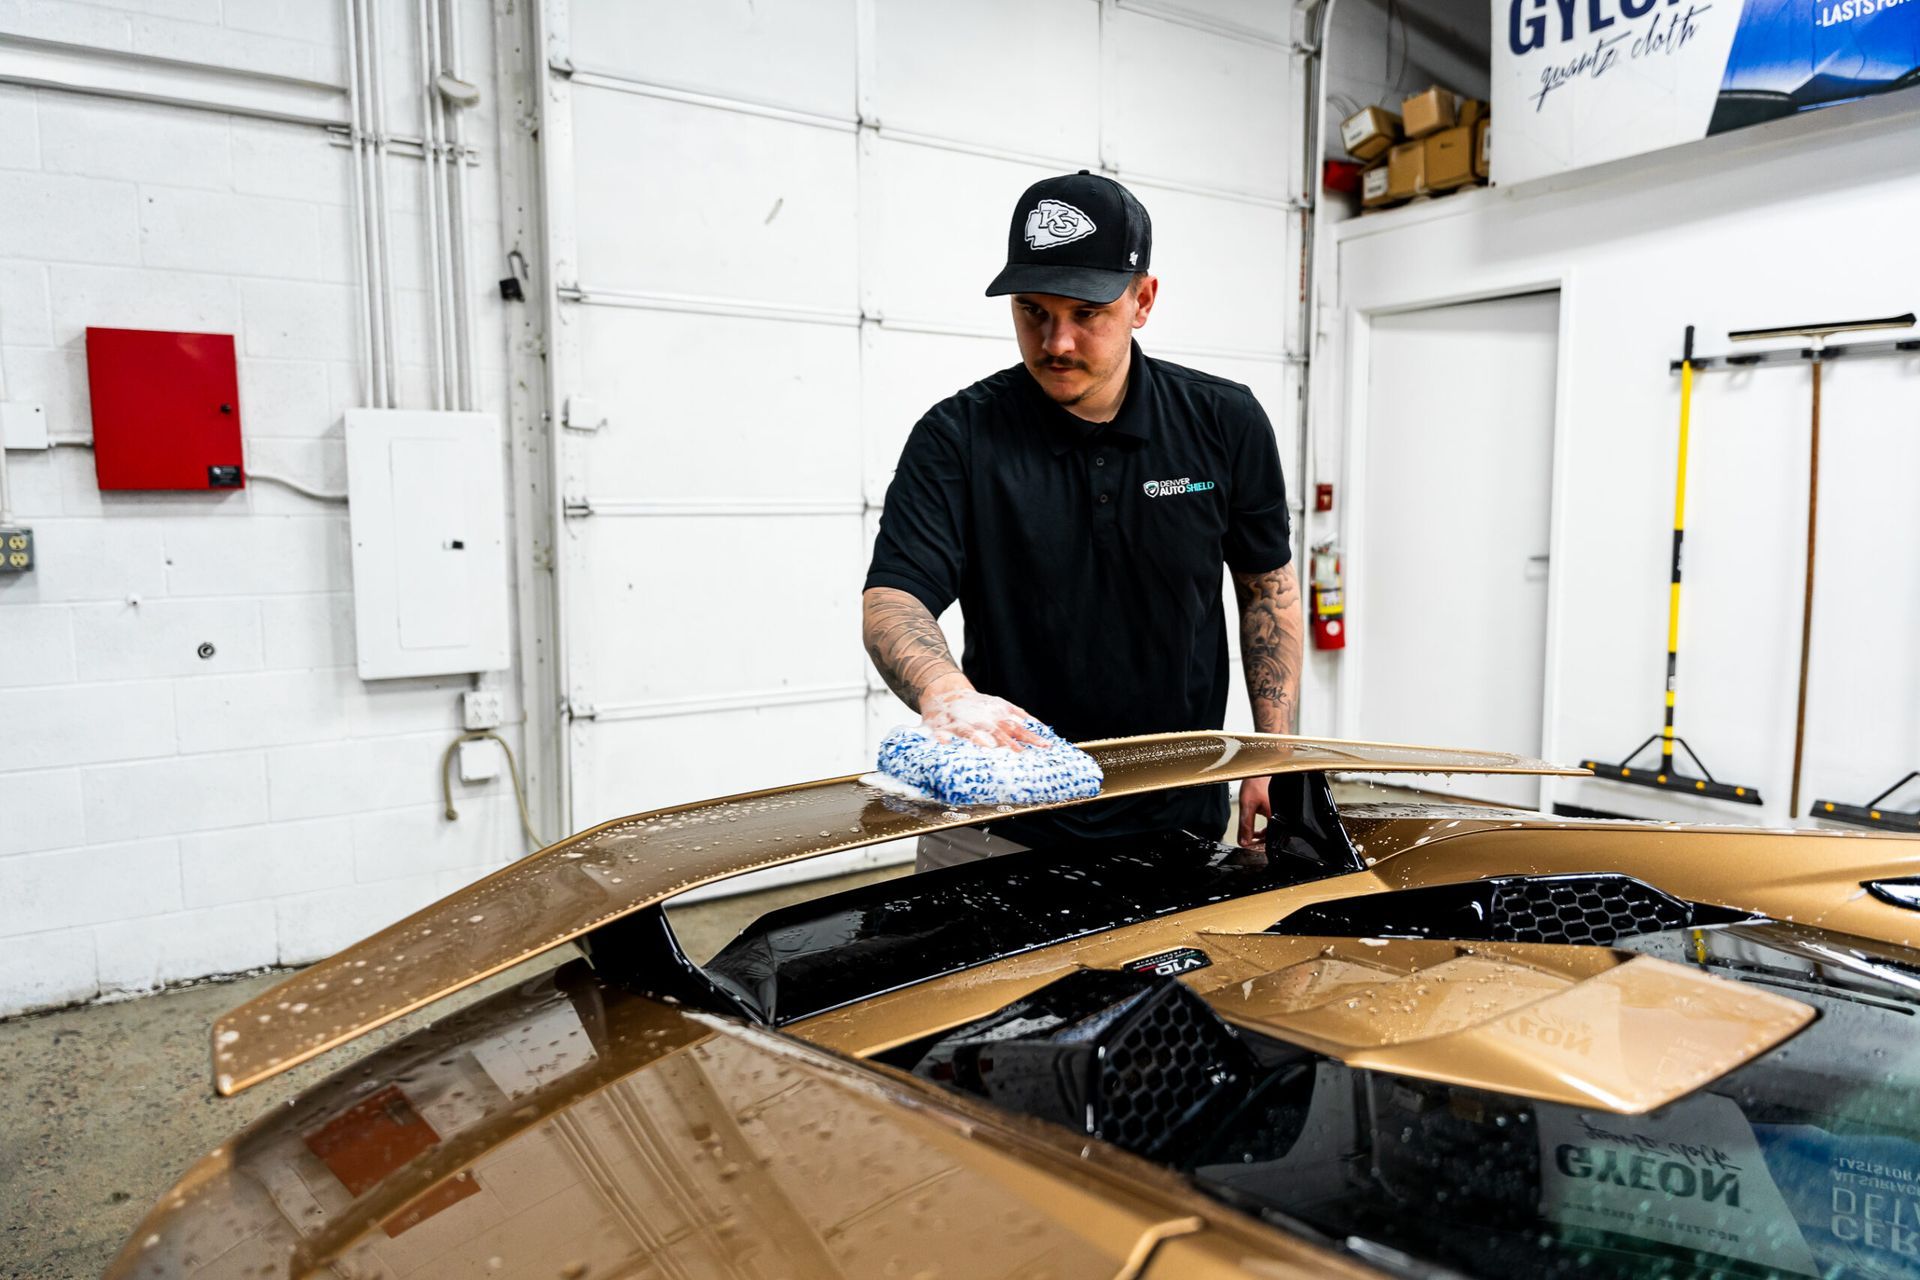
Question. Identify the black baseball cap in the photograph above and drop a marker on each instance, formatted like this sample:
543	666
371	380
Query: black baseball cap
1080	235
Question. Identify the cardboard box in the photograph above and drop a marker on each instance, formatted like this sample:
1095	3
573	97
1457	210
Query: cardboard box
1472	111
1480	149
1407	171
1448	162
1428	112
1366	134
1373	188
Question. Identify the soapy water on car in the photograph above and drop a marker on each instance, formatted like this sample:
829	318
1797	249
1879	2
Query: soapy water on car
913	761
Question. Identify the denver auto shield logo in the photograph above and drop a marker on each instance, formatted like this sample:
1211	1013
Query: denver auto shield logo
1169	964
1168	488
1056	223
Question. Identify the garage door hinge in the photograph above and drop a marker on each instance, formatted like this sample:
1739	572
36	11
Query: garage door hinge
583	413
578	709
561	66
571	293
575	507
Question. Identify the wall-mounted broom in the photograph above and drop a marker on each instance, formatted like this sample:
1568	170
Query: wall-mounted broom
1665	776
1817	353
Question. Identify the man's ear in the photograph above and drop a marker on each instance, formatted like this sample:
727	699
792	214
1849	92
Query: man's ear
1143	299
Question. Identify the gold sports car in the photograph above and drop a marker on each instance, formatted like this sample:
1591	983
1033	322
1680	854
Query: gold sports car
1402	1041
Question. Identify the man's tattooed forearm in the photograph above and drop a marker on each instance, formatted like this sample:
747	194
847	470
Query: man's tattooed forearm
905	642
1270	646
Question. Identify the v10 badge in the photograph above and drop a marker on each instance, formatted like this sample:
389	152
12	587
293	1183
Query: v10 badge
1169	964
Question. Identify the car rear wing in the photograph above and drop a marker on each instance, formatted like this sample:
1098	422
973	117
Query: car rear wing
588	880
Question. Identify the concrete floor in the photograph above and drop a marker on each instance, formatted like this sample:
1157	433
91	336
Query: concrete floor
107	1104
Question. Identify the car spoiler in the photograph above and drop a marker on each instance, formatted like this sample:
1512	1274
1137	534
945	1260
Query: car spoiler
588	880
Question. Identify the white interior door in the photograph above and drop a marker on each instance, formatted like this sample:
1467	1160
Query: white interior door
1449	606
770	226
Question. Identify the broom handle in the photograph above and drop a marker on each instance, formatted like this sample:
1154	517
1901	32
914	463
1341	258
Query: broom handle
1806	608
1679	533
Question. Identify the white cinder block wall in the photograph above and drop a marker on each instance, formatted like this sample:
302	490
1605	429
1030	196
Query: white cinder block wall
163	815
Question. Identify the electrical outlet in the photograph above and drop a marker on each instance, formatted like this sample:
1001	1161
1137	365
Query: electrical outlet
16	549
481	708
479	761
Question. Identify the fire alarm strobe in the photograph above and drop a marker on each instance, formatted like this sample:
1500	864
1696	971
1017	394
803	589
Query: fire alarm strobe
166	409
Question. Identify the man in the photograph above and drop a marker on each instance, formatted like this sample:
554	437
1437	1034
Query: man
1080	505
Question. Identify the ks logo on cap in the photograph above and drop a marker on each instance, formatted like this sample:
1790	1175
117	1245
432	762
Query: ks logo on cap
1054	223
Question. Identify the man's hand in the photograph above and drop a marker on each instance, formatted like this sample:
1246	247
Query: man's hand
1254	803
960	711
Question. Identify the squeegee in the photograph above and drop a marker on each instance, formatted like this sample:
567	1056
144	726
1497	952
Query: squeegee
1871	814
1665	776
1815	353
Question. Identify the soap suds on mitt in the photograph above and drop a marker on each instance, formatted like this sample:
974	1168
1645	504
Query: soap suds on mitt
962	773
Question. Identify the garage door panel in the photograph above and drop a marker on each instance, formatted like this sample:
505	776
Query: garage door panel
772	300
633	765
797	54
718	407
942	232
1236	299
951	70
906	375
688	200
1199	107
692	607
1259	18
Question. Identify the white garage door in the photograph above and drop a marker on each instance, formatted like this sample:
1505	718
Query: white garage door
771	224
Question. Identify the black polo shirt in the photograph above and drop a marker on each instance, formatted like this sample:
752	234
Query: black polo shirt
1087	559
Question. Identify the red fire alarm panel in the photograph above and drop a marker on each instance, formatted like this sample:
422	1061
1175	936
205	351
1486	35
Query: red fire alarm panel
166	409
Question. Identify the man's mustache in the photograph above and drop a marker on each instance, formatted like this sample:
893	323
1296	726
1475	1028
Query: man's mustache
1061	366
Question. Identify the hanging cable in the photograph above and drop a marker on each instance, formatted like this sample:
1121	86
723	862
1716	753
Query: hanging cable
318	495
513	771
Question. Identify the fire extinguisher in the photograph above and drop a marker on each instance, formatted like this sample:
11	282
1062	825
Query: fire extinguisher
1327	598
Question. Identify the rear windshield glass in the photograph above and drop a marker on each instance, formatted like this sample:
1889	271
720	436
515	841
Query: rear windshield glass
1804	1162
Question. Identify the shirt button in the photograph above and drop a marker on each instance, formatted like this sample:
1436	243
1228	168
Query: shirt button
1100	461
1103	499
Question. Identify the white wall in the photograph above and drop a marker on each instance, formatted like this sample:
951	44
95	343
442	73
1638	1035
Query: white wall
164	816
1800	222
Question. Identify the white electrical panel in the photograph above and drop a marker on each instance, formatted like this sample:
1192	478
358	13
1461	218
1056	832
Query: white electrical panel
428	509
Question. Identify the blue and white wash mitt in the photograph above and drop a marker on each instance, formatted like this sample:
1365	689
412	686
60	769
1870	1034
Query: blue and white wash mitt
962	773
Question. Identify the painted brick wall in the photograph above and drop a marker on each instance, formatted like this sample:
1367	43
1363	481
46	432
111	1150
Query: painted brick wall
162	815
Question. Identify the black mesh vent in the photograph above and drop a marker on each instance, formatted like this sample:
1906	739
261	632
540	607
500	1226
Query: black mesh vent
1155	1073
1583	910
1135	1059
1596	909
